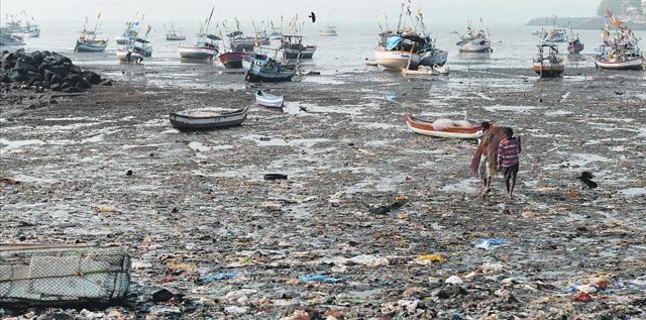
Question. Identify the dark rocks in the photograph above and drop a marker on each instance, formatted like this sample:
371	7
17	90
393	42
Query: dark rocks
162	295
40	70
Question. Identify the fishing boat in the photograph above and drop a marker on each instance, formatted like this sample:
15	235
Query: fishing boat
621	52
294	48
442	127
205	47
20	26
233	59
173	34
547	63
575	46
556	35
207	120
330	31
88	40
408	47
134	52
9	40
133	27
268	100
261	68
475	40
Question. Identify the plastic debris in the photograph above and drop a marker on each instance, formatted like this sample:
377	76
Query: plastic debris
216	277
490	244
320	278
582	297
430	258
454	280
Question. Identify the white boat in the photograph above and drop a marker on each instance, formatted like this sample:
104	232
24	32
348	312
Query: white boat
207	120
476	45
199	51
330	31
135	51
269	100
396	60
636	63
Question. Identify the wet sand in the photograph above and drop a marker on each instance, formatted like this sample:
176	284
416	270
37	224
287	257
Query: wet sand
197	203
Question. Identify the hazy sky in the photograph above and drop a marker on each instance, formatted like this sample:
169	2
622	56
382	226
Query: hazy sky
492	11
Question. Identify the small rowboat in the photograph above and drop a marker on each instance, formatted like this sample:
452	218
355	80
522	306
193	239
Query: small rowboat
442	128
269	100
207	120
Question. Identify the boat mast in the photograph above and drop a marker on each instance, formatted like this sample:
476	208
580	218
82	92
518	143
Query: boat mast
96	26
401	13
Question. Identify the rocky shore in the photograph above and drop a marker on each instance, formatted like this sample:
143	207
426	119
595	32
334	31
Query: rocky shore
200	221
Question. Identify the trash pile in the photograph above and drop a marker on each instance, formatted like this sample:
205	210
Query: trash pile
41	70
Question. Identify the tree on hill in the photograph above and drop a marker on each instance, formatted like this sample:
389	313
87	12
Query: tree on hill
617	7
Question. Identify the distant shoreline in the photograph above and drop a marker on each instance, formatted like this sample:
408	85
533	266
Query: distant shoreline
584	23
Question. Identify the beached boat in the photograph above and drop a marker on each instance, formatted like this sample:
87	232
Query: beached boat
202	50
233	59
241	43
88	40
134	52
620	52
548	64
269	100
261	68
207	120
475	40
295	49
575	46
173	34
21	26
442	128
205	48
396	59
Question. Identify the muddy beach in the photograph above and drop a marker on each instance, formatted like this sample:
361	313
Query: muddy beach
199	219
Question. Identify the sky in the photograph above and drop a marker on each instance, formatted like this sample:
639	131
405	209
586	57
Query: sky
340	11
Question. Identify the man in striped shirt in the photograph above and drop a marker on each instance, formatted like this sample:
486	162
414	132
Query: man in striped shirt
507	159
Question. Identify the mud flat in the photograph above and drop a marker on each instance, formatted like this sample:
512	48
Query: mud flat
200	220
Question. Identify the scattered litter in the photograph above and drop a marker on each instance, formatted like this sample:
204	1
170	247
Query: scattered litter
320	278
490	244
430	258
454	280
216	277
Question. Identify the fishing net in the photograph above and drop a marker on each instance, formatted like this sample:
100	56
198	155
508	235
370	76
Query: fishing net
62	273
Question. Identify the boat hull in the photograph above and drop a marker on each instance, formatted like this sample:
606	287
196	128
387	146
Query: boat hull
425	127
232	60
631	64
267	100
434	58
549	70
185	122
397	60
476	46
575	48
264	76
90	47
175	38
122	55
197	52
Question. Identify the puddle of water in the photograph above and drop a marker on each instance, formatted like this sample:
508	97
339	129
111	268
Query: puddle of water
15	144
462	186
633	192
557	113
510	108
322	80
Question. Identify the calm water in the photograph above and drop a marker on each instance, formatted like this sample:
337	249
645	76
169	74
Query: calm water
513	45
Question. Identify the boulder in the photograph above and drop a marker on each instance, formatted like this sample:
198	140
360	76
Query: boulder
14	76
91	77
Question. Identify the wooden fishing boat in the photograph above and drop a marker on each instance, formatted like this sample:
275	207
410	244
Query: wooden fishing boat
575	46
548	64
269	100
207	120
233	59
174	34
205	48
442	128
396	59
88	42
621	63
261	68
